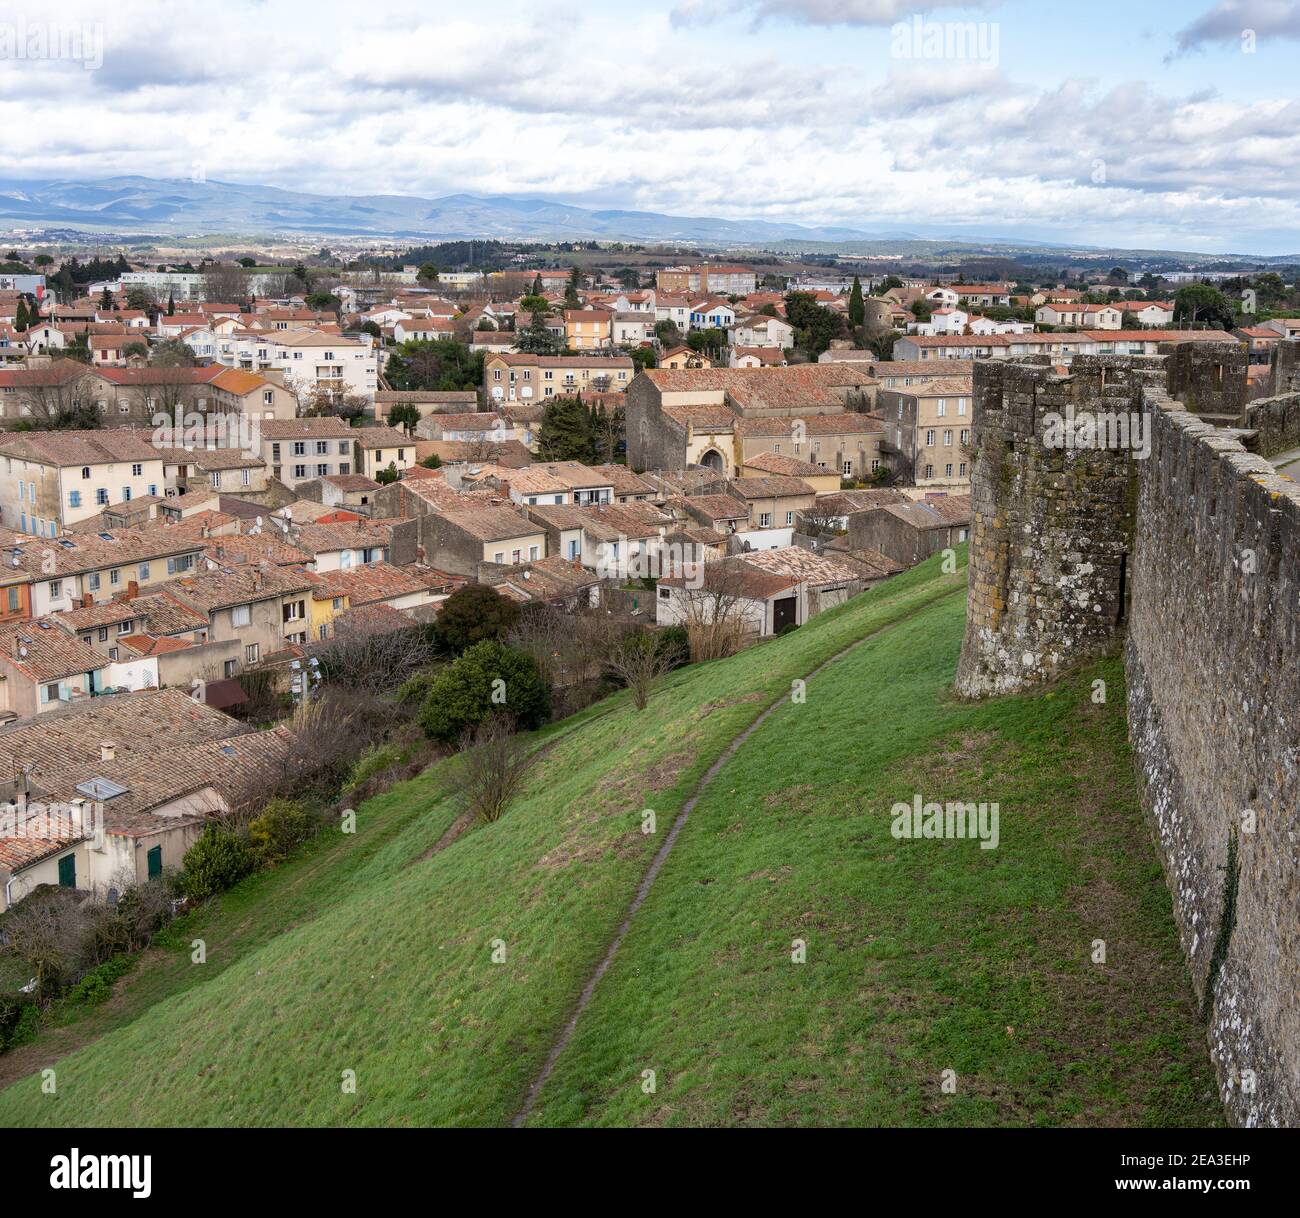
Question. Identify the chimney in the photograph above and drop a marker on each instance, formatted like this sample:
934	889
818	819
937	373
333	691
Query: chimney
107	750
132	589
87	600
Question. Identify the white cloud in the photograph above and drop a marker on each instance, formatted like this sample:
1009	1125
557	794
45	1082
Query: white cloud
1231	21
635	112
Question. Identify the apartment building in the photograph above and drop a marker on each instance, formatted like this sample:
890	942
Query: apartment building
96	566
722	279
927	432
510	377
306	360
302	450
587	329
52	479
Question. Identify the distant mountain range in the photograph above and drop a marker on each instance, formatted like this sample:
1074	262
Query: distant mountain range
178	208
149	205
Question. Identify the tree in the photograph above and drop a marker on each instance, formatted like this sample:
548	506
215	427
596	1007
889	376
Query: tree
857	310
386	477
714	612
1199	302
43	260
225	282
219	859
428	273
534	303
172	353
324	302
372	659
922	309
21	322
571	300
106	299
247	263
565	432
538	287
538	339
643	358
443	364
638	658
58	397
472	614
171	304
141	299
489	678
607	433
815	326
432	461
494	764
404	415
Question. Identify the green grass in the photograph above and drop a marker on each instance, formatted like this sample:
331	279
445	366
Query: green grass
370	954
921	956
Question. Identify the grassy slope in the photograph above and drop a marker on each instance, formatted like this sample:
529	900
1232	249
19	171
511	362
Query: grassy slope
369	955
922	955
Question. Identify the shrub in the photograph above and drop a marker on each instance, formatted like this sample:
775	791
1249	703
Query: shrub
97	985
489	678
278	828
18	1019
217	860
676	644
378	760
471	615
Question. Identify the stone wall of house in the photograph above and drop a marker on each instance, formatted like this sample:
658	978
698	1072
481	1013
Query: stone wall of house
1188	545
1050	526
1213	667
654	440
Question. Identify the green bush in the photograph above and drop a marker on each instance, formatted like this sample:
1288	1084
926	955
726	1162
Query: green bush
378	759
473	614
17	1027
97	984
467	692
281	825
676	643
217	860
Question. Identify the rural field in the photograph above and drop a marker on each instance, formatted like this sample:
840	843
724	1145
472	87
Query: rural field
442	976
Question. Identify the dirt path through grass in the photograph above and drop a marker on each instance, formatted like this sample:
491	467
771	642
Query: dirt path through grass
661	855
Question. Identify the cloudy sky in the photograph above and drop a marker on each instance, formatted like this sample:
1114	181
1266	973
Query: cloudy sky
1136	123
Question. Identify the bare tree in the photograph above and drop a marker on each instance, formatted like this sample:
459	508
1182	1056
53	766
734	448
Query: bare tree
820	522
45	933
555	641
494	765
367	657
636	657
225	283
58	396
715	611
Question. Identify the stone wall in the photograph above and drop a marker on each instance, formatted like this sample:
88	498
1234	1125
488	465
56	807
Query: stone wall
1188	545
654	439
1209	378
1213	666
1276	423
1050	526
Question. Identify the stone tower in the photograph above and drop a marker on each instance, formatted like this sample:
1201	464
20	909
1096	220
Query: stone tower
1051	514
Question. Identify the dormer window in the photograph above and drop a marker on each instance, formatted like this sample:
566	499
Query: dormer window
85	471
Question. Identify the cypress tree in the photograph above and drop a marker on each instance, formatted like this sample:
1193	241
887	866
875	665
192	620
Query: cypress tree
857	310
